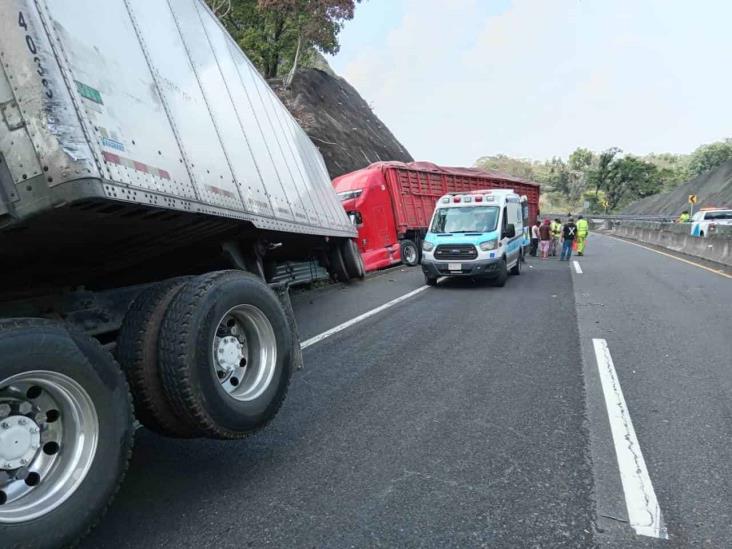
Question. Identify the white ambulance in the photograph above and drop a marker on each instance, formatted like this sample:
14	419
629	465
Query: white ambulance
477	234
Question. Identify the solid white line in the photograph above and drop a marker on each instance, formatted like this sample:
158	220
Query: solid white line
577	267
359	318
715	271
644	514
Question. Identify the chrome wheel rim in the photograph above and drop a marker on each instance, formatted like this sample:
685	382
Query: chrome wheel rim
49	433
410	254
244	352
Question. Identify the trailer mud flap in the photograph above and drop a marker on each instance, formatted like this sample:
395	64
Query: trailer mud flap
283	294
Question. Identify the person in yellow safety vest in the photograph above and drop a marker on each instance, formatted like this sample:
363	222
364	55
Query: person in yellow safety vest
556	230
583	229
684	217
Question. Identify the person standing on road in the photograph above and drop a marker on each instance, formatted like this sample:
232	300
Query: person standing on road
583	231
556	227
569	232
534	239
684	217
545	238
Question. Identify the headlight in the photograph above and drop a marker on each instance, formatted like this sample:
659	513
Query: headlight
427	246
347	195
488	245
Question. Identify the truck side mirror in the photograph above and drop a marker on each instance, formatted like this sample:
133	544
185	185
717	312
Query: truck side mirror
509	231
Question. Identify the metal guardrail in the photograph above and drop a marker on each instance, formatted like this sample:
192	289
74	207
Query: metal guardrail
614	217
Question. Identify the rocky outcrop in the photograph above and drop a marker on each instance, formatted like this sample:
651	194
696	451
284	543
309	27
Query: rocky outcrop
338	120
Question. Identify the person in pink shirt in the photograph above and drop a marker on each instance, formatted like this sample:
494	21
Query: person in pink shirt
545	238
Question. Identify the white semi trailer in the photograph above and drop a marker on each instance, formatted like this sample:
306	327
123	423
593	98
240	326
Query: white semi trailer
150	186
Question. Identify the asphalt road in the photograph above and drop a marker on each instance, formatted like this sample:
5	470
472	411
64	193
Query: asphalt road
469	416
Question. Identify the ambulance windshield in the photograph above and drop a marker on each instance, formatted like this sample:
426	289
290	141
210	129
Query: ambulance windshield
471	219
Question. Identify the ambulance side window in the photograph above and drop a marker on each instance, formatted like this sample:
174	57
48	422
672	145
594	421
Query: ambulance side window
504	219
517	216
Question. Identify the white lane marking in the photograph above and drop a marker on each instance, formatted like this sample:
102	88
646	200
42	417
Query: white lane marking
644	514
715	271
320	337
577	267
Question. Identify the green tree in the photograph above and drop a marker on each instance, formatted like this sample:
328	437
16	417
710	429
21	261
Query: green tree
630	178
581	159
559	176
708	157
518	167
278	34
599	175
673	169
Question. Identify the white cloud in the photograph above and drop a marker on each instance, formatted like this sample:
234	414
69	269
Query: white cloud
544	77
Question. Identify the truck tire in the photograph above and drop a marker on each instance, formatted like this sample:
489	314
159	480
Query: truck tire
225	354
137	352
352	259
410	253
338	270
55	385
502	276
516	269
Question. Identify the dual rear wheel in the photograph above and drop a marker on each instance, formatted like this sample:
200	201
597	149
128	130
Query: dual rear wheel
207	356
345	261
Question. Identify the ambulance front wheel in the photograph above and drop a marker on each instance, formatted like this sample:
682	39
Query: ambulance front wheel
516	269
502	276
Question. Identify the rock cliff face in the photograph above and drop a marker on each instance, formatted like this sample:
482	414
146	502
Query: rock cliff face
338	120
714	189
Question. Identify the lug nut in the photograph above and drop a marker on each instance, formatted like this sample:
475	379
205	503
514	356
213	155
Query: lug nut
24	461
34	430
5	425
25	408
22	421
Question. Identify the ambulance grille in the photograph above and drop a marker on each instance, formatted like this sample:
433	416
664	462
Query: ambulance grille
455	251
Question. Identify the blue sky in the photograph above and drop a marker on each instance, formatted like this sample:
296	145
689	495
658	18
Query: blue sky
459	79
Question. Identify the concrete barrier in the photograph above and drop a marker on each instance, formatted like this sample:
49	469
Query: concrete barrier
677	237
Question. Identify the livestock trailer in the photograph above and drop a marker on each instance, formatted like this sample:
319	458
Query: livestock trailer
391	204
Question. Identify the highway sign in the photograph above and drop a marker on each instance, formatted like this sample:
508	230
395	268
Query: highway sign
693	199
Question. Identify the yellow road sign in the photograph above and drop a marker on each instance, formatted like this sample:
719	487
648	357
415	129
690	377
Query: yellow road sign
692	199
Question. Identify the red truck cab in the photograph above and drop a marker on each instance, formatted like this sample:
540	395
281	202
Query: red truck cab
365	197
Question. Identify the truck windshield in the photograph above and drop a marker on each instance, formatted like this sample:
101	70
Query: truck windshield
472	219
726	214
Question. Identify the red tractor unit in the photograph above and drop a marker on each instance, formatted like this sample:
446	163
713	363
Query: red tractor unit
391	204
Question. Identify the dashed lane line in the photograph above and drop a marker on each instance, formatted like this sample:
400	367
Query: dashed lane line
644	514
577	267
320	337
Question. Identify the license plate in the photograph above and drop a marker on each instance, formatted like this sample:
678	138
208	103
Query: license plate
454	266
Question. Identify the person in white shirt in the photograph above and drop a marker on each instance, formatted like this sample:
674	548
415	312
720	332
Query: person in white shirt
534	238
